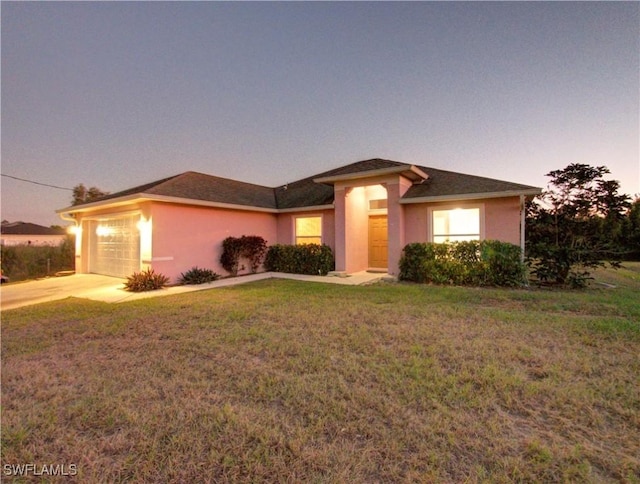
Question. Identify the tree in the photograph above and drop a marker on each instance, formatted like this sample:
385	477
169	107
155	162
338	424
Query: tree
81	194
575	225
631	231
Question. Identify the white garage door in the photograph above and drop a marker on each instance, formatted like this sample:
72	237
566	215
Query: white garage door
115	246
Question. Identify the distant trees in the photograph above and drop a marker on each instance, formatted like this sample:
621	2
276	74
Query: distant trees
630	233
82	194
577	224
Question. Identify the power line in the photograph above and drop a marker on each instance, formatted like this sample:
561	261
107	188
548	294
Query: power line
37	183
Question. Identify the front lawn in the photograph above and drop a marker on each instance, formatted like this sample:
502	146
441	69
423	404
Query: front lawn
285	381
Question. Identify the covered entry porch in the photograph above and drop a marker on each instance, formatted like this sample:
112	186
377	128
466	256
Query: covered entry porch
369	219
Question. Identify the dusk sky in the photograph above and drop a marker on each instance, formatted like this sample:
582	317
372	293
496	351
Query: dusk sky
120	94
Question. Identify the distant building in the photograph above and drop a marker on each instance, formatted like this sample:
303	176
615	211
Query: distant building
25	233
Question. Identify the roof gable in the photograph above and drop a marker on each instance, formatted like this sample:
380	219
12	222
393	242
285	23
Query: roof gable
308	193
360	167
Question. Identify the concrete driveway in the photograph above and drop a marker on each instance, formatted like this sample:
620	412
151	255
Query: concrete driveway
53	288
111	289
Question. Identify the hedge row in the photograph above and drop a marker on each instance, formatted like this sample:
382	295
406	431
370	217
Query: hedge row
475	263
312	259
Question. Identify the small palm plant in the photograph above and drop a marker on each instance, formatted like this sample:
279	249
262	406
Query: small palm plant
147	280
195	275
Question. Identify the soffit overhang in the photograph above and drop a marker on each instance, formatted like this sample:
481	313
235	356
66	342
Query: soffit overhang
117	203
411	172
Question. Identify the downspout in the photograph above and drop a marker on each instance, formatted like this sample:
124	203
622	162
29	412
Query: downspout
67	217
522	226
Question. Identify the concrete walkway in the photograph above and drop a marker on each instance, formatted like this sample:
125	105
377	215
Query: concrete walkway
111	289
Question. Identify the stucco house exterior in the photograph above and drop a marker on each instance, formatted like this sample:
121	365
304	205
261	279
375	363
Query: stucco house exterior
365	211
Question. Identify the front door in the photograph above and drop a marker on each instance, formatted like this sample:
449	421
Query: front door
378	245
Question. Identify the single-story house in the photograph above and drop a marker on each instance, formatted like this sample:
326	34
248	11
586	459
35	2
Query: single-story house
366	212
26	233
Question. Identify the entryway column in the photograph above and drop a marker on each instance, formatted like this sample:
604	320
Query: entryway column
395	214
340	228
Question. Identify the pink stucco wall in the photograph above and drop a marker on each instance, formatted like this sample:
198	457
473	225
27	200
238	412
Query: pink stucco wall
340	207
501	218
352	219
396	223
185	236
356	230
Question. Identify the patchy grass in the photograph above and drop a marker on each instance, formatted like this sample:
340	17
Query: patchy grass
286	381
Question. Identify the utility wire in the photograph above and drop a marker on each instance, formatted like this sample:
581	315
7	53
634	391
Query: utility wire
38	183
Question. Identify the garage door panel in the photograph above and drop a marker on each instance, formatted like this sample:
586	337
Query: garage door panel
115	246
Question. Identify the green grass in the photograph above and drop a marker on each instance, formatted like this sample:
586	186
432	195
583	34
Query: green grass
285	381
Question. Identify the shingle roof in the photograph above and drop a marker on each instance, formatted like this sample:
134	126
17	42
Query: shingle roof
361	166
448	183
27	228
308	193
303	193
198	186
440	183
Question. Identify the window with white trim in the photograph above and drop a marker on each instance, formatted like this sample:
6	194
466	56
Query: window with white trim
308	230
455	225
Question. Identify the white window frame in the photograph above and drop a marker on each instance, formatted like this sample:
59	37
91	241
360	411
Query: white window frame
453	206
308	215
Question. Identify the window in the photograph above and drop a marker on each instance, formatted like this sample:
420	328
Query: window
456	225
378	204
308	230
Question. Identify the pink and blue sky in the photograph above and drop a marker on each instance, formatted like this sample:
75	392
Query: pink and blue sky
119	94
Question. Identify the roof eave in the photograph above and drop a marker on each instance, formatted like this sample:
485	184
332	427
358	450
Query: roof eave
148	197
112	202
473	196
207	203
311	208
411	172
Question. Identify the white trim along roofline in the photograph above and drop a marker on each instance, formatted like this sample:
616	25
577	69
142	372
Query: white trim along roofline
411	170
145	197
471	196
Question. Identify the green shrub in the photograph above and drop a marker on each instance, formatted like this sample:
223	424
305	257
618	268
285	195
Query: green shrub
474	263
254	249
230	257
195	275
504	263
250	247
312	259
145	281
